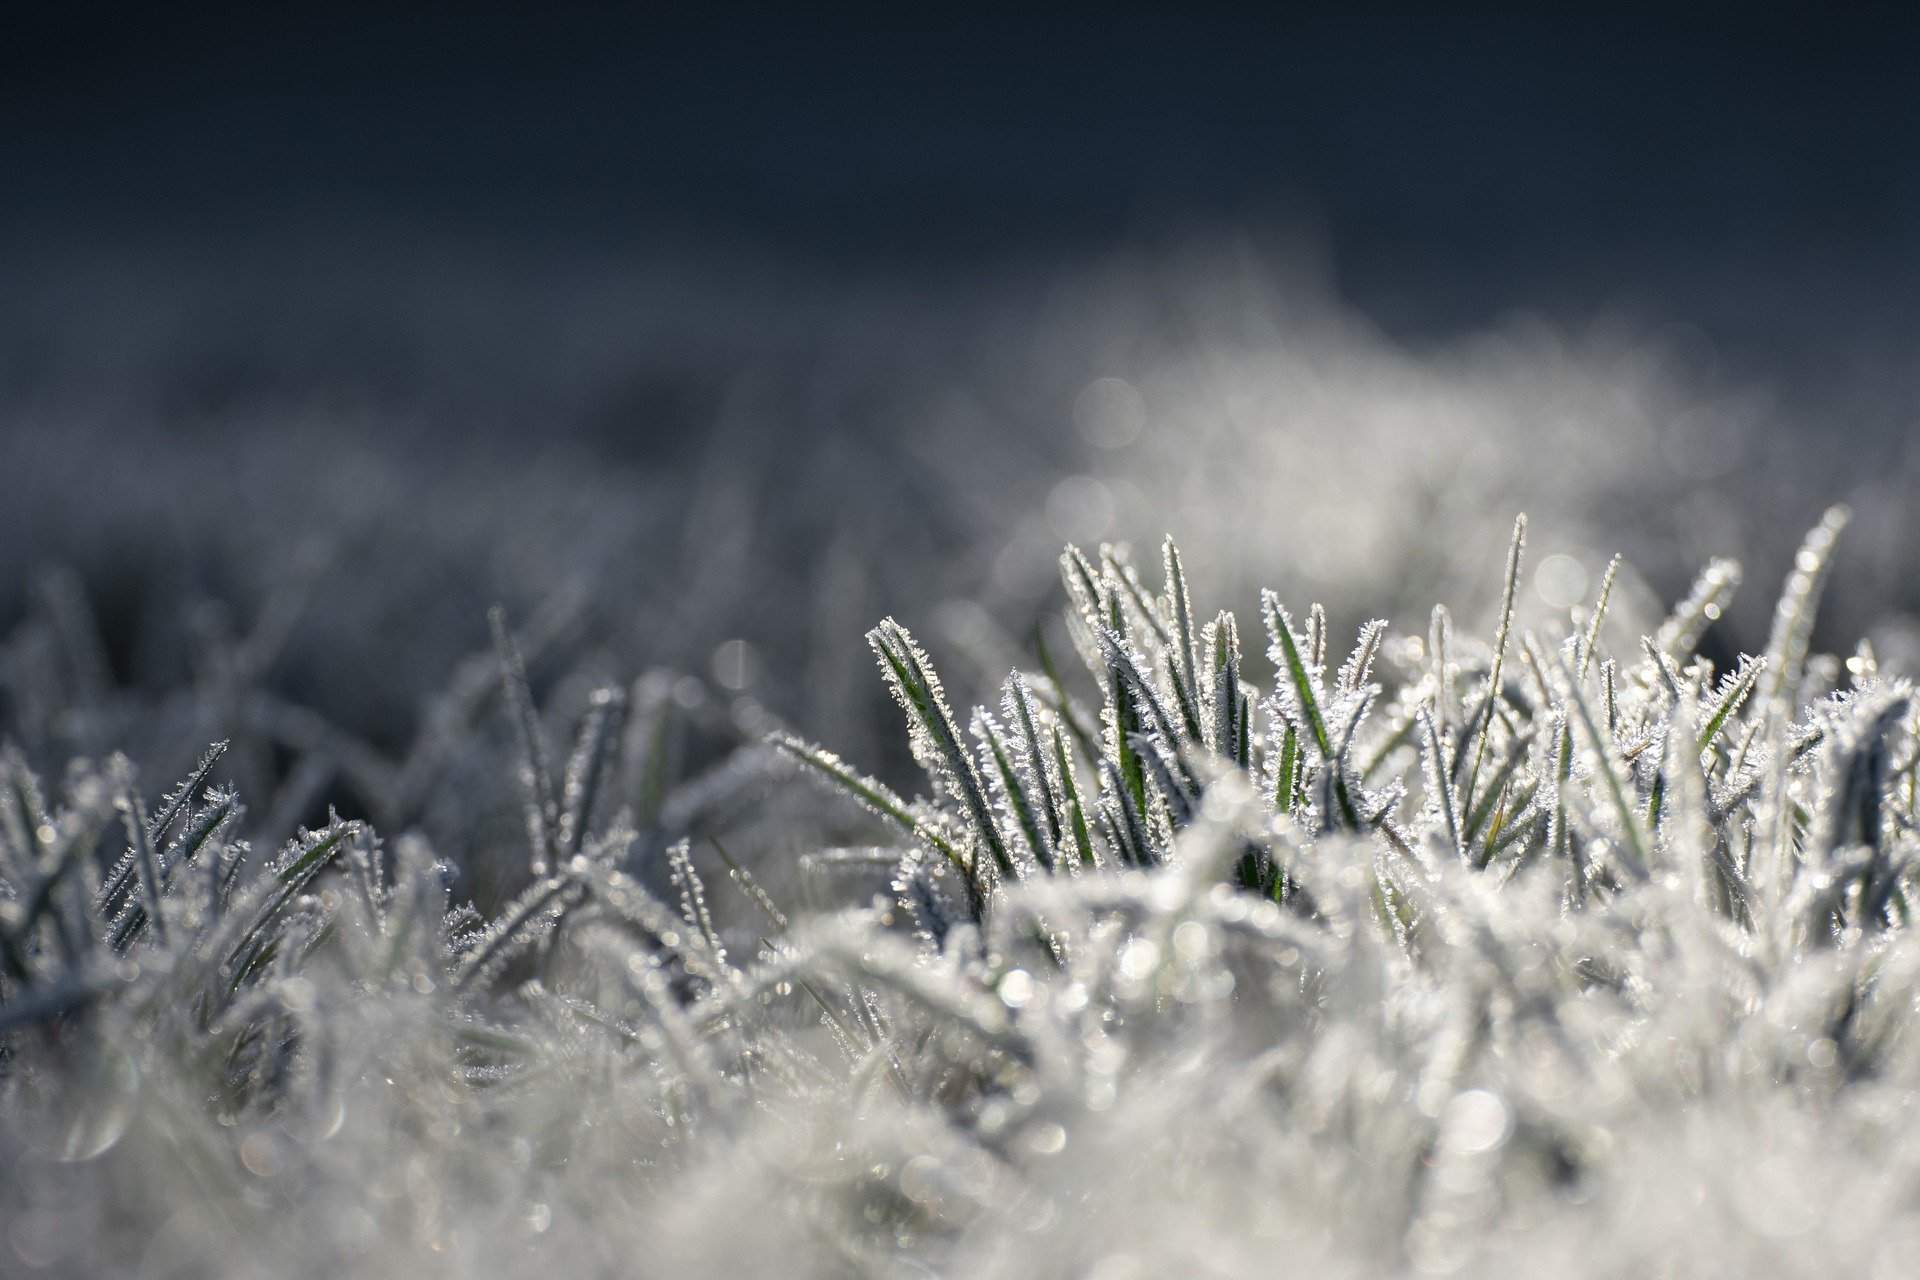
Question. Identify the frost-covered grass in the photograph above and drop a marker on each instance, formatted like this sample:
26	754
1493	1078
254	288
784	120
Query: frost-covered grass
1553	950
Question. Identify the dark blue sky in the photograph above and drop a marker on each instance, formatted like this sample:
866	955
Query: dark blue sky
1456	163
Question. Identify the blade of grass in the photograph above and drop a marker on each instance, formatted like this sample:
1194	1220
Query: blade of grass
536	775
1514	553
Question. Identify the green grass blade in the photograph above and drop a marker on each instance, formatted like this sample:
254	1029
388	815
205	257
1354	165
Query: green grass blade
1515	551
1073	808
936	739
1184	662
1733	693
875	795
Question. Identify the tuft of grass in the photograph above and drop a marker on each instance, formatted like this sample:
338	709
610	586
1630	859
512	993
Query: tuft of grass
1398	967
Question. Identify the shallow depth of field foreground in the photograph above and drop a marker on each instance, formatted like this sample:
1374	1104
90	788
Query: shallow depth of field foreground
1215	942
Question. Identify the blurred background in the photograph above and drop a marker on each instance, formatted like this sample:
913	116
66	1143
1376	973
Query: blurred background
731	330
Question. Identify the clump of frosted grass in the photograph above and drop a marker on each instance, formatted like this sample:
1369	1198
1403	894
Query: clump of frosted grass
1557	952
